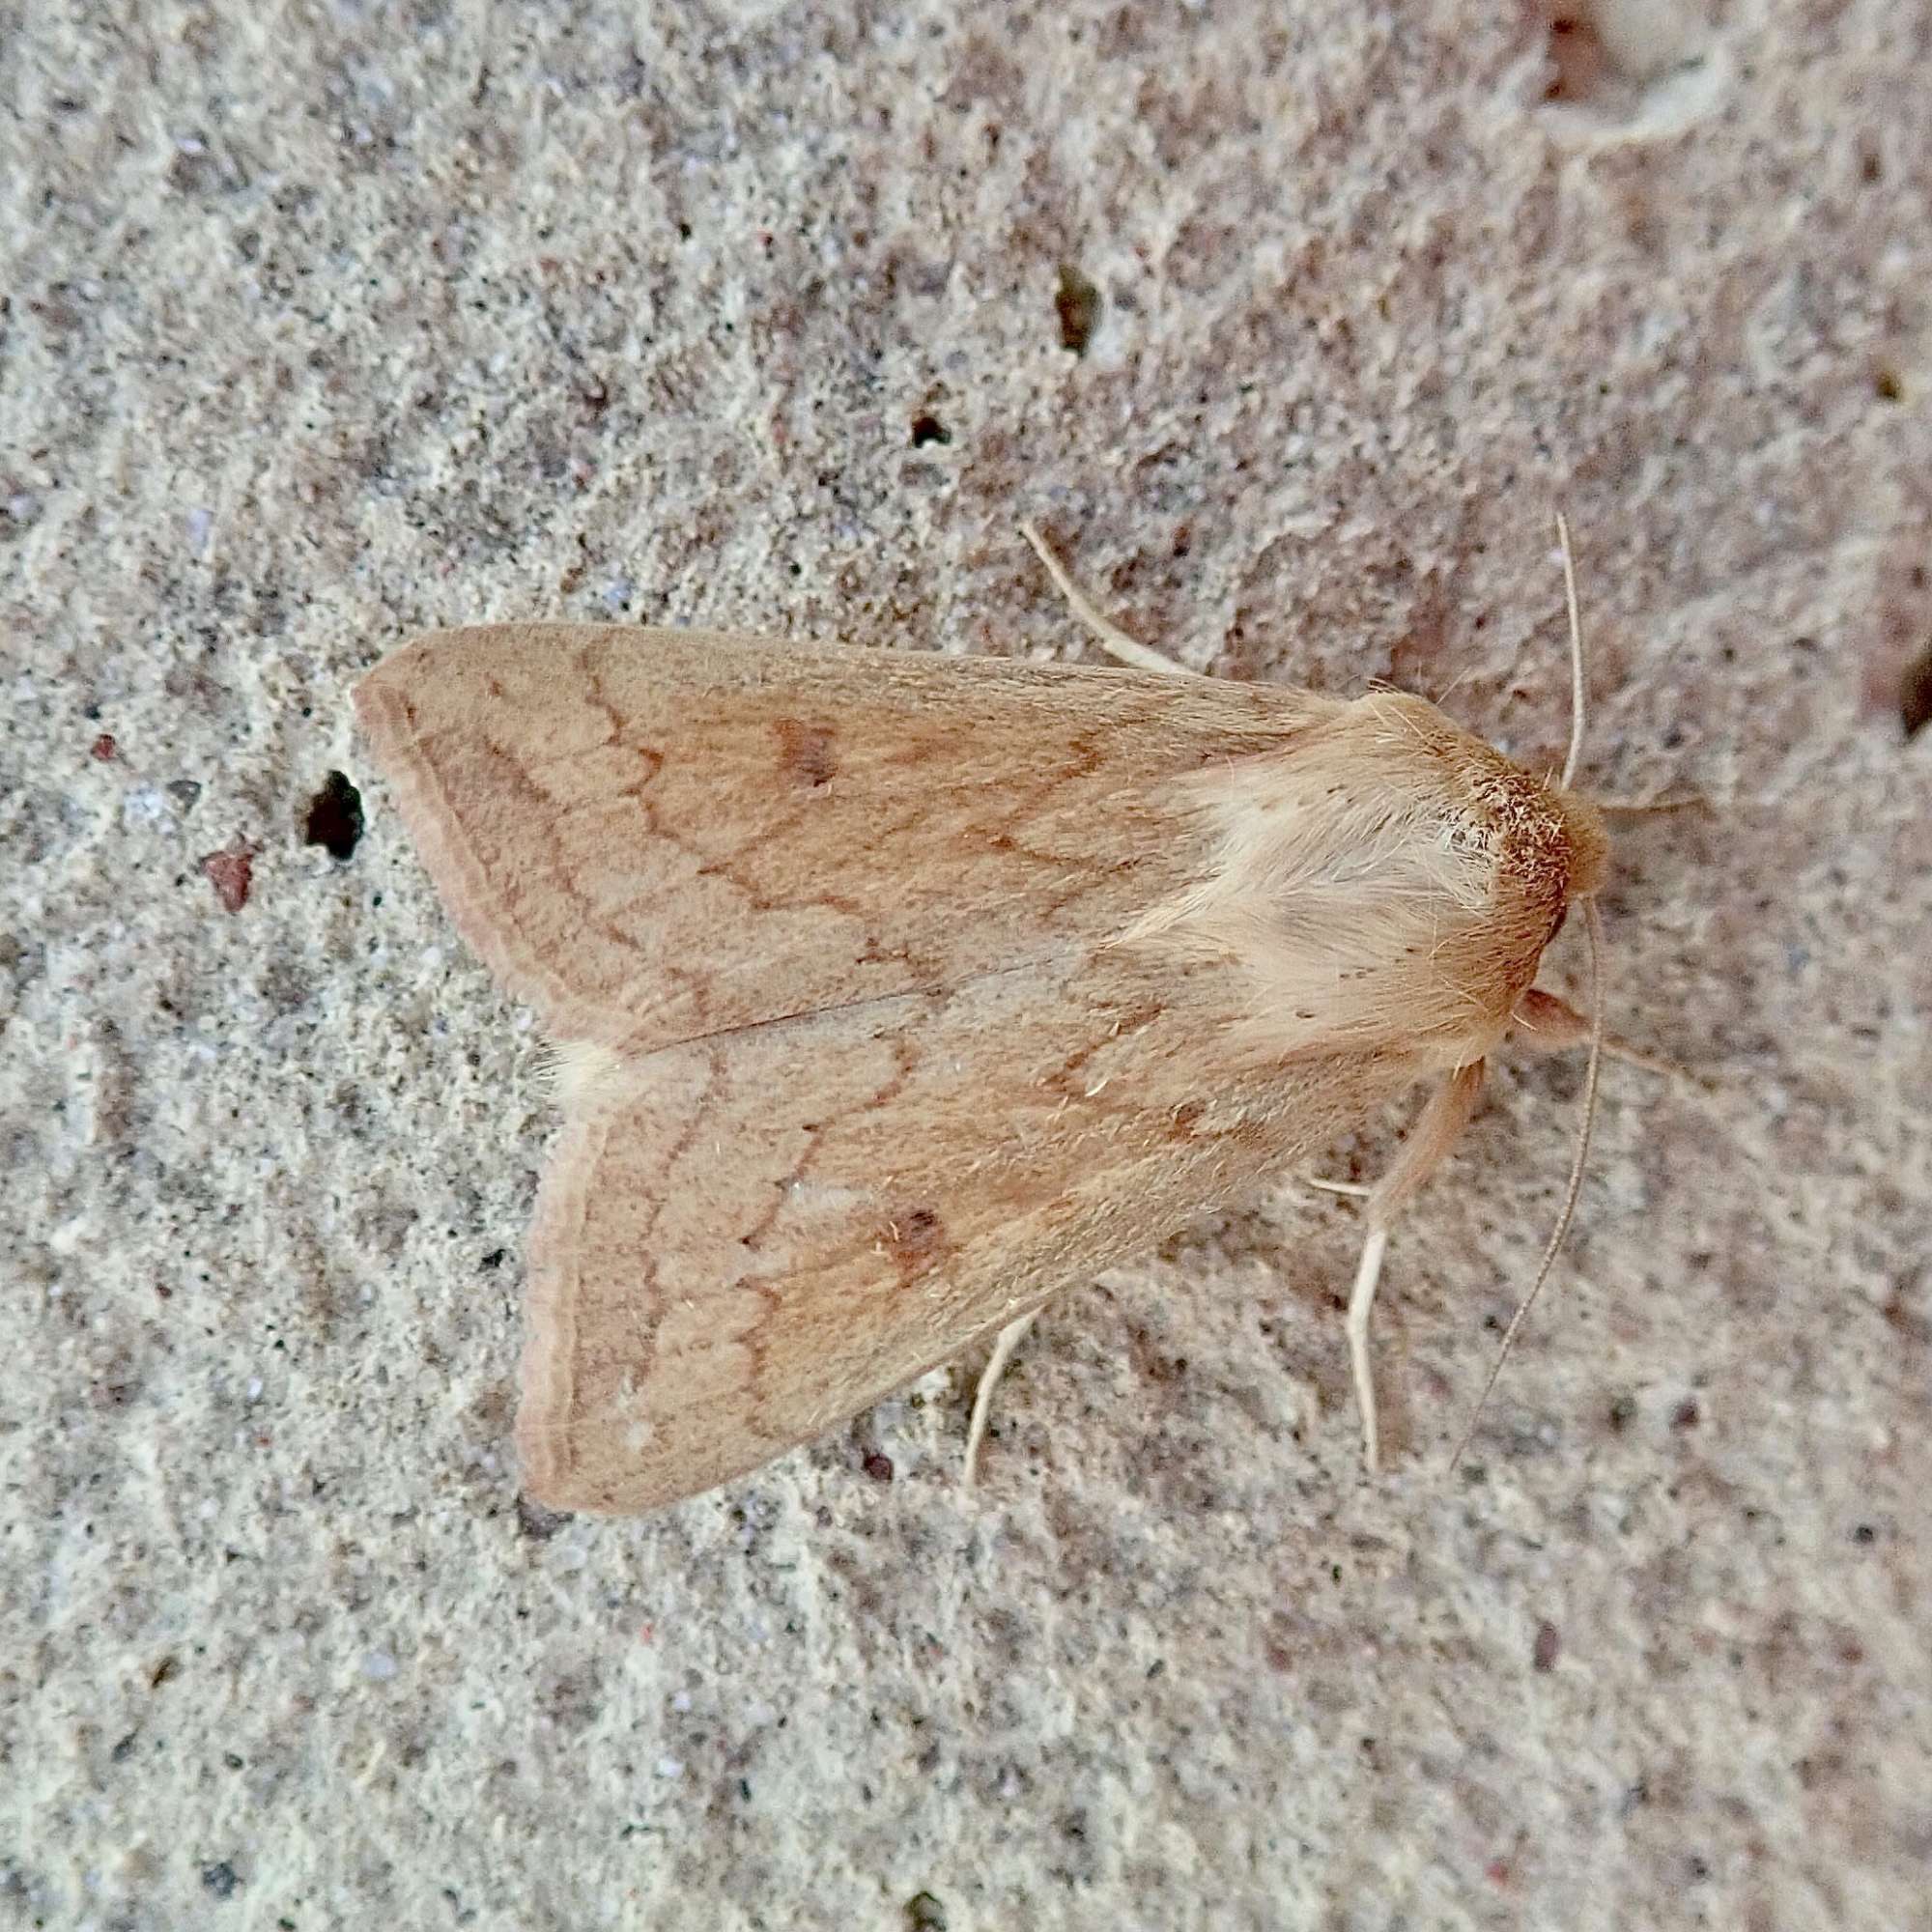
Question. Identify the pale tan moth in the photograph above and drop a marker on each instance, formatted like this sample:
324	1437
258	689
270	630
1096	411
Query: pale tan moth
895	991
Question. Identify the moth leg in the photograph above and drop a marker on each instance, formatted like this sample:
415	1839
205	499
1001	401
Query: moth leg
1112	639
1545	1023
1009	1339
1436	1132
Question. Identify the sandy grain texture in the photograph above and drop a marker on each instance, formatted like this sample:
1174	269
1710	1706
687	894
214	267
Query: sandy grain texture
319	326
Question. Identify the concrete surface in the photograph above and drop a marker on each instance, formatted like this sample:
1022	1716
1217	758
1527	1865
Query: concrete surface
323	323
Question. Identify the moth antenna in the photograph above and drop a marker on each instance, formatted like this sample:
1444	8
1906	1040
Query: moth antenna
1594	922
1009	1339
1576	754
1113	639
1632	808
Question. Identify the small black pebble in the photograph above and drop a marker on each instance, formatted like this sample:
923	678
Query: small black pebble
536	1522
1077	303
1915	695
334	819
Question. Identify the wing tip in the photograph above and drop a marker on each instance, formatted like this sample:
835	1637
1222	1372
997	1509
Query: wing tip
551	1437
403	707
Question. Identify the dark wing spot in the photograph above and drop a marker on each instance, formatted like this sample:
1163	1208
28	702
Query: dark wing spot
913	1238
808	753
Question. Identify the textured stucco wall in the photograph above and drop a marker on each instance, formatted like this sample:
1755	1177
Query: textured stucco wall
319	325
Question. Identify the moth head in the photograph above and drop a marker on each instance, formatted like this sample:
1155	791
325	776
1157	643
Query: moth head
1516	851
1589	841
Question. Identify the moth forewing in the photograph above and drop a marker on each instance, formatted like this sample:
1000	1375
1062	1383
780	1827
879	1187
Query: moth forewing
655	834
744	1240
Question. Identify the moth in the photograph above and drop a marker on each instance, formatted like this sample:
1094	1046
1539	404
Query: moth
893	992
